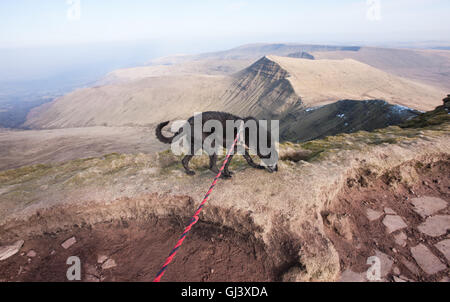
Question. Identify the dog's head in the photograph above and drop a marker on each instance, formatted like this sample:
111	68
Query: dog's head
270	162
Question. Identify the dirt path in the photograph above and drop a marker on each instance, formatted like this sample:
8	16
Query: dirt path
407	228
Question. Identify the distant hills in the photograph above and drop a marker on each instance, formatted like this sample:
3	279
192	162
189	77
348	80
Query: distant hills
270	87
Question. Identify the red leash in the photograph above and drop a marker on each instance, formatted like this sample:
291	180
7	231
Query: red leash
195	218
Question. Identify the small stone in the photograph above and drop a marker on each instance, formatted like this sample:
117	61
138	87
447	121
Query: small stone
396	271
31	254
393	223
68	243
52	252
101	259
110	263
373	215
400	239
389	211
429	263
435	225
444	248
426	206
397	279
10	250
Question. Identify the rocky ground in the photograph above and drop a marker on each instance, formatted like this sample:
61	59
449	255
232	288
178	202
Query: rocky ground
406	228
335	203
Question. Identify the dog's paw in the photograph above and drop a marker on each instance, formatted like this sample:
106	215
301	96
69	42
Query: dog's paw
190	172
260	167
225	176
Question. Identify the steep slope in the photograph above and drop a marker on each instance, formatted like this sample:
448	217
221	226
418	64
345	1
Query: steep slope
262	90
346	116
320	82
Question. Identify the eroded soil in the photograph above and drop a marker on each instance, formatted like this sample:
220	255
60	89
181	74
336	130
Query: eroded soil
138	249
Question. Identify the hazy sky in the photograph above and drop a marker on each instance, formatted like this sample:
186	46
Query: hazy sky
221	22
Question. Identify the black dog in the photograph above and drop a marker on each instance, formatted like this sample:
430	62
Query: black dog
221	117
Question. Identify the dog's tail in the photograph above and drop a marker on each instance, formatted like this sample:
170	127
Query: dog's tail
160	136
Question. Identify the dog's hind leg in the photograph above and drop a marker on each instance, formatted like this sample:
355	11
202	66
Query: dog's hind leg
227	173
213	163
185	163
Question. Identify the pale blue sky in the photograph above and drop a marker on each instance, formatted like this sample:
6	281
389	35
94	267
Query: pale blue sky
227	22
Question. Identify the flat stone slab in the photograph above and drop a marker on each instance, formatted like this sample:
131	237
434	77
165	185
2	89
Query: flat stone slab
373	215
10	250
435	225
394	223
444	248
426	206
389	211
429	263
69	242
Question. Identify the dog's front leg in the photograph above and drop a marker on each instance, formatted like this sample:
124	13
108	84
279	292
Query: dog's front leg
185	162
250	161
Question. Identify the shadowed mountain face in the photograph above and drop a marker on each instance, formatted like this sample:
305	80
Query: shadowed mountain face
345	116
301	55
262	90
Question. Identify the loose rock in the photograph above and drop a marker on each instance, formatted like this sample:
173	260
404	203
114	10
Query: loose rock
400	239
68	243
31	254
10	250
101	259
110	263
